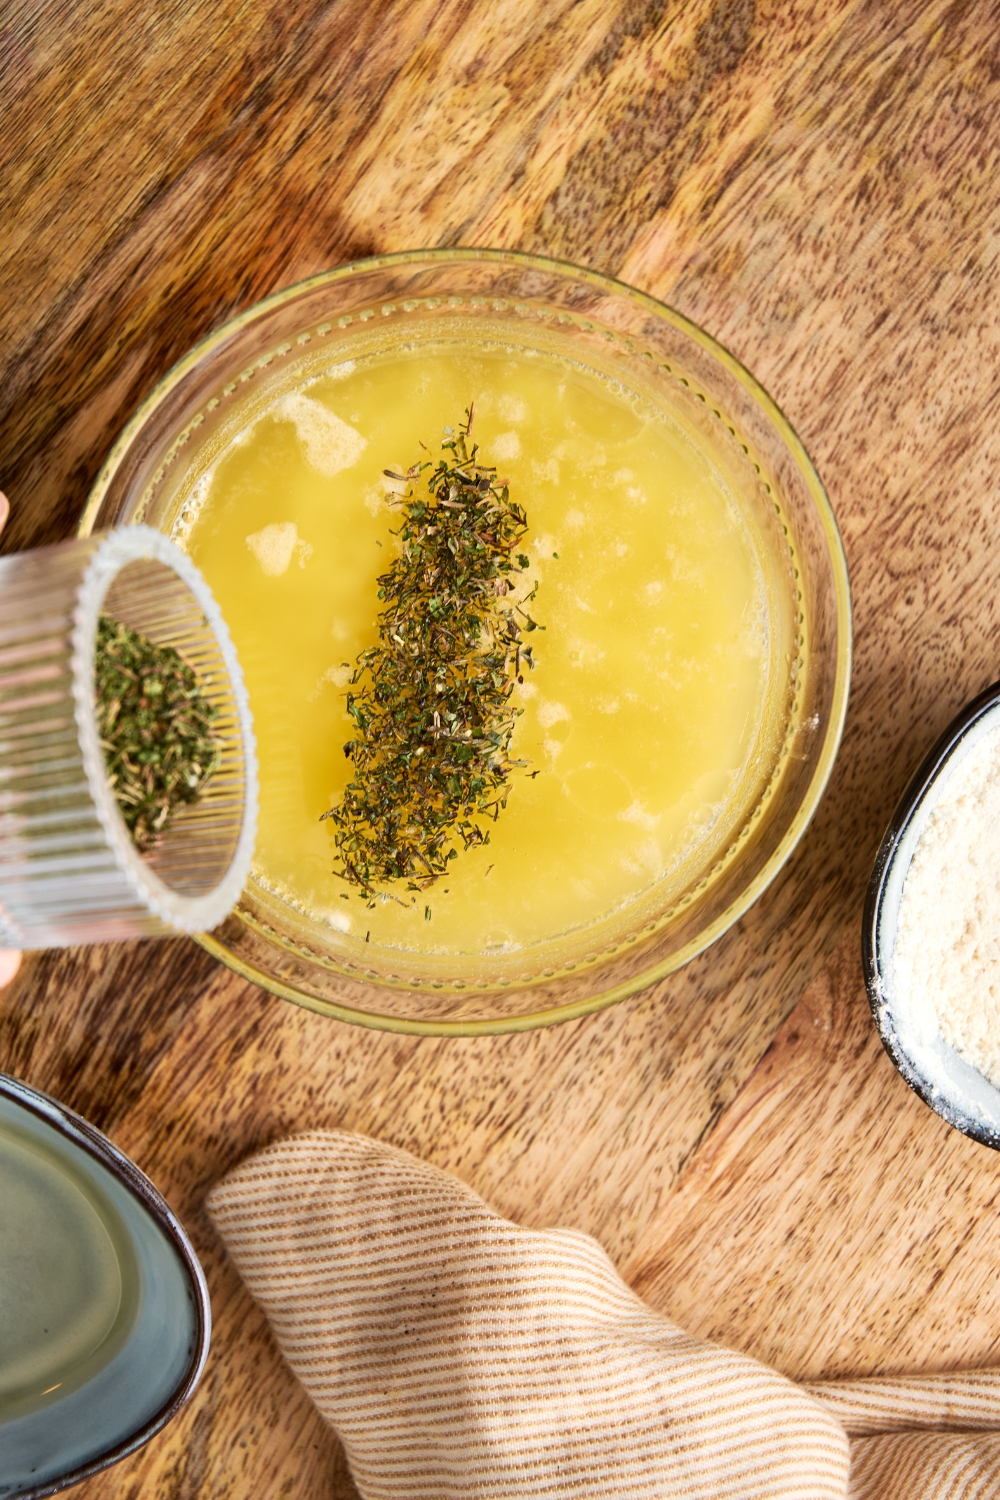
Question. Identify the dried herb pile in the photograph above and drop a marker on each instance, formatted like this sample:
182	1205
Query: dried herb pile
431	755
156	729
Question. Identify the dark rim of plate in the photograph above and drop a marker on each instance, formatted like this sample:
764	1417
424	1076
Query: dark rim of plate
90	1139
871	956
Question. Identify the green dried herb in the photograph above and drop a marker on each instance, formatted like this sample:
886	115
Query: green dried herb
431	755
156	729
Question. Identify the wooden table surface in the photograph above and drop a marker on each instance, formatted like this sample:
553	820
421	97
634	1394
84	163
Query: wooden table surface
819	186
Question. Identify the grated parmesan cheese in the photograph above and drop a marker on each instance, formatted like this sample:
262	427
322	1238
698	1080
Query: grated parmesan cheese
946	956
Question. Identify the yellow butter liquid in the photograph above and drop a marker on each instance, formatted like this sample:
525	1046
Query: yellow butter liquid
644	713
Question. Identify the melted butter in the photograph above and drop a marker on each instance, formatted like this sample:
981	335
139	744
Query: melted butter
645	710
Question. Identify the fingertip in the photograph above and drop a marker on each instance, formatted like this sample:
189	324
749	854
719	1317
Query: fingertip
4	510
10	962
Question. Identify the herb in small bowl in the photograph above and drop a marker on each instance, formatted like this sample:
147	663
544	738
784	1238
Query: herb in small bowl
156	727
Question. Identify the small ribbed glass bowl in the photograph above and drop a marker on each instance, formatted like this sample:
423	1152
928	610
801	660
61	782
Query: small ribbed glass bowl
538	306
69	869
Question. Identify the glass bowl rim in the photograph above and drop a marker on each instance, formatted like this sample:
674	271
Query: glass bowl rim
636	984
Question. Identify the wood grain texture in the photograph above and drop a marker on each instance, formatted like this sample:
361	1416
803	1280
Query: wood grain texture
832	1225
818	185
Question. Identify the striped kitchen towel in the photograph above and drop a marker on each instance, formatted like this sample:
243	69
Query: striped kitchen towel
459	1355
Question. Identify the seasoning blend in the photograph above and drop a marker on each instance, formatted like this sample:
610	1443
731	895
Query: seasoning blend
157	728
431	702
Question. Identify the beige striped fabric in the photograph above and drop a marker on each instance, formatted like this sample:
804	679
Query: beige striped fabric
921	1437
960	1403
457	1354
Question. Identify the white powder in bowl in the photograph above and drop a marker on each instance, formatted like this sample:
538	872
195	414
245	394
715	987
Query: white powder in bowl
946	955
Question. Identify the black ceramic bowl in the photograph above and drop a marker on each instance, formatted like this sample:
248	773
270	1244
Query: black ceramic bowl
104	1312
934	1070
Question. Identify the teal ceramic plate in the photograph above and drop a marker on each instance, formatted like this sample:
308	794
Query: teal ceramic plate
104	1312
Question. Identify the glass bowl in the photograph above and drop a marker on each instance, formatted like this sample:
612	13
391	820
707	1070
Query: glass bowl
537	306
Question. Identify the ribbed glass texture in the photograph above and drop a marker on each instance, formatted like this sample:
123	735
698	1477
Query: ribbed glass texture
69	871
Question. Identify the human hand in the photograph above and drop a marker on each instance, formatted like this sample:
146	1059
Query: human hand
10	958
